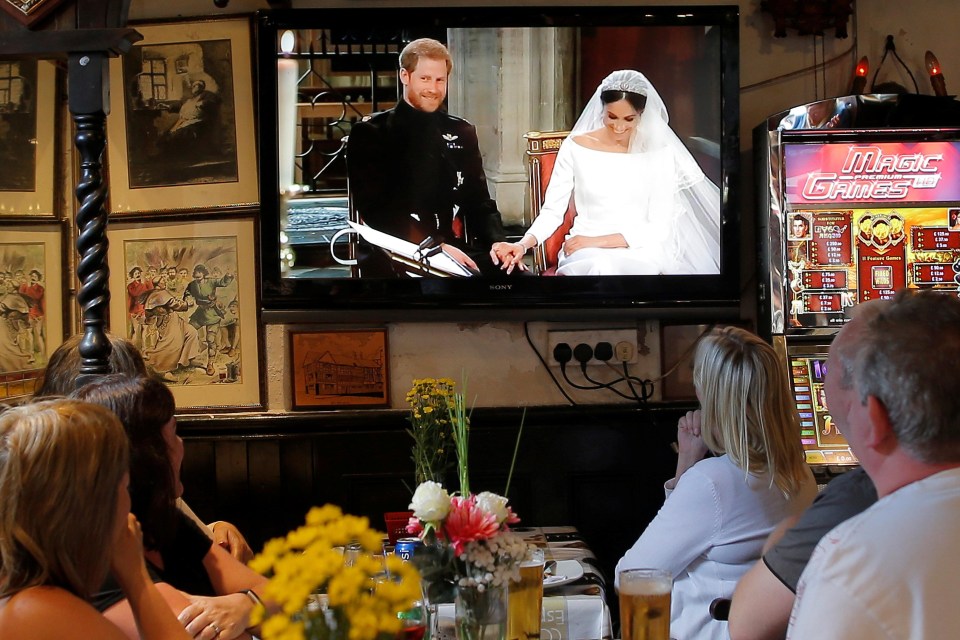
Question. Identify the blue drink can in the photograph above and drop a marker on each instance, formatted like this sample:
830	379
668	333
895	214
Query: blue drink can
406	547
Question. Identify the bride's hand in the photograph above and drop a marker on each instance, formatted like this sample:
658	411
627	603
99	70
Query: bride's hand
509	255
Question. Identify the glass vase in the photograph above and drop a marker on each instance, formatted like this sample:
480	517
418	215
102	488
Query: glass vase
481	614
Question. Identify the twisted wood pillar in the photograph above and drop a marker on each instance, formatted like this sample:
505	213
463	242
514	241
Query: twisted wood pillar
88	84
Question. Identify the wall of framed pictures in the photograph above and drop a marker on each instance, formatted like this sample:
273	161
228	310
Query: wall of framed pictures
182	202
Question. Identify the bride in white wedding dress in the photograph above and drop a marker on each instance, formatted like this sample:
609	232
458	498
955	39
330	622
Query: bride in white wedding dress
644	206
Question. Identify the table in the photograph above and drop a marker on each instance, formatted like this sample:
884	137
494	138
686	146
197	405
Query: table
574	611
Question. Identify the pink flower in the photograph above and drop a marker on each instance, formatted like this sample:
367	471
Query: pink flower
414	526
466	522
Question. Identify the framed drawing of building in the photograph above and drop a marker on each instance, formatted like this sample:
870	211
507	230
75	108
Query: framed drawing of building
185	294
181	131
339	369
28	108
31	305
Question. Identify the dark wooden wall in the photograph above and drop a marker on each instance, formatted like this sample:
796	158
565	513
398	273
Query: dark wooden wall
599	468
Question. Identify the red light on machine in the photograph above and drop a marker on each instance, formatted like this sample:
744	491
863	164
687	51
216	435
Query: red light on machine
859	80
936	74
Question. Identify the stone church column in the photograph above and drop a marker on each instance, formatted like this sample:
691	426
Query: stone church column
507	82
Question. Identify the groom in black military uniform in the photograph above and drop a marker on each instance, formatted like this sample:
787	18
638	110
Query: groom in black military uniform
415	171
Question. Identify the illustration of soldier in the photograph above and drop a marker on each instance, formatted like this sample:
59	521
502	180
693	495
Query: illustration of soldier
33	294
137	290
208	313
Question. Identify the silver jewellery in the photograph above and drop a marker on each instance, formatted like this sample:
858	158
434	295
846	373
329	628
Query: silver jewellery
216	630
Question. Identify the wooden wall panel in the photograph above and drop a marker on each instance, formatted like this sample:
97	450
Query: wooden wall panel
600	469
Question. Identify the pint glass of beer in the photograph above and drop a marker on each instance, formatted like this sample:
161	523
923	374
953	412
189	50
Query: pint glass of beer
526	599
645	604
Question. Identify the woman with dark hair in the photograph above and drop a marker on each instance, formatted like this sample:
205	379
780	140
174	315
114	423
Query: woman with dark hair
644	206
63	368
221	589
65	522
62	376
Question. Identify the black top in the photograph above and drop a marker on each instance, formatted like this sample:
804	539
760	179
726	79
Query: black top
182	566
843	498
410	171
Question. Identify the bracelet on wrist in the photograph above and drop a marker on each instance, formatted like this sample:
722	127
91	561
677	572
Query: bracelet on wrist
250	593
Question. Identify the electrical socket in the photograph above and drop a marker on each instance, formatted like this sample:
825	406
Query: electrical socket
624	342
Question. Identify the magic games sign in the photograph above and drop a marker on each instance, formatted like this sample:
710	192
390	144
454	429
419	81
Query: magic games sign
872	172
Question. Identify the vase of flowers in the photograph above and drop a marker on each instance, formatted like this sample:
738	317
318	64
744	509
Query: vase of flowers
469	555
363	597
481	614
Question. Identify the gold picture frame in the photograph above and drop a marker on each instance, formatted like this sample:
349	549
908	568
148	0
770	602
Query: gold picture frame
28	139
339	369
185	293
181	133
31	305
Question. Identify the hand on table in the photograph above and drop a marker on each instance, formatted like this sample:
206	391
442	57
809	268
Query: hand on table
220	617
459	256
228	537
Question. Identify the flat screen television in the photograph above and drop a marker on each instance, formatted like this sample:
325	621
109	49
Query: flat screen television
516	69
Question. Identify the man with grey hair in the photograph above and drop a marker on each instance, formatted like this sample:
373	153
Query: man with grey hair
890	572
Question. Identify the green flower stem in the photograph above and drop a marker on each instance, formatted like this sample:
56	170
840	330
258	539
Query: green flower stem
460	422
516	447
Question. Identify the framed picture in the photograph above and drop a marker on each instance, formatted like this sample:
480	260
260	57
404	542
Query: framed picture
28	107
185	294
31	305
181	131
339	369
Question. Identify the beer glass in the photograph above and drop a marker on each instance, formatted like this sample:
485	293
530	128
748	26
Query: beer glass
526	599
645	604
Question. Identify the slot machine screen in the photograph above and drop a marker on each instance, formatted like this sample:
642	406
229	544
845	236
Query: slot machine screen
823	443
865	219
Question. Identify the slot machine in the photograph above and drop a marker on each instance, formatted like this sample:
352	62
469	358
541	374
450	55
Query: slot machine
857	197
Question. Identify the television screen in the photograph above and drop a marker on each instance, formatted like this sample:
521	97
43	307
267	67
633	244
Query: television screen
518	76
866	218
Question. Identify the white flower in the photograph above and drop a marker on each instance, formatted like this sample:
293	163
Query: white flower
492	503
431	502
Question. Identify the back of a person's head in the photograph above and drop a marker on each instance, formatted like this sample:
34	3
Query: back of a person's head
62	373
747	408
144	405
61	464
904	352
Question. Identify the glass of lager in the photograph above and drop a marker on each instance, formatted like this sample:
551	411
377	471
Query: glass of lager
526	599
645	604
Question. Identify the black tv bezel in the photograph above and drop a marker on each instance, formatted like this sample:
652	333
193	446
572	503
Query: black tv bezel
531	298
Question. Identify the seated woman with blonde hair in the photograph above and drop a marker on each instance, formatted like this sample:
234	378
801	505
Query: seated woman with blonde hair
720	510
65	523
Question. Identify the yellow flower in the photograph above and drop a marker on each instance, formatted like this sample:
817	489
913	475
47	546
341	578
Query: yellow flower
311	558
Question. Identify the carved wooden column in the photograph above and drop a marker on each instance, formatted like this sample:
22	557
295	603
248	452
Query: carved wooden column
87	88
87	34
